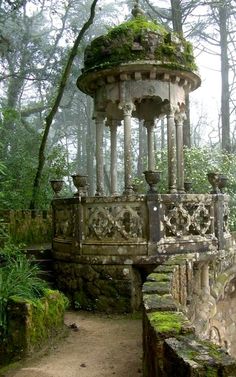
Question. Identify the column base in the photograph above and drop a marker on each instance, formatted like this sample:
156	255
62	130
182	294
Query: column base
128	191
99	192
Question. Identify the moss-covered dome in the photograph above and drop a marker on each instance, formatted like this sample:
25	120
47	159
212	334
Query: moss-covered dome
139	40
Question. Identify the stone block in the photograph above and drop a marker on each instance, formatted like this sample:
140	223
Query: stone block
155	302
186	356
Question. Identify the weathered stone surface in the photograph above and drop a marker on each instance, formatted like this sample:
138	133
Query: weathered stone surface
160	277
186	357
171	345
153	302
156	287
100	287
31	325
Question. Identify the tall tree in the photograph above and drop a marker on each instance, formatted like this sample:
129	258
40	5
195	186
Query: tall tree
49	118
219	36
177	15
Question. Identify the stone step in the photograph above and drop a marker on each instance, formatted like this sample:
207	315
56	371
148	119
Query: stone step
42	256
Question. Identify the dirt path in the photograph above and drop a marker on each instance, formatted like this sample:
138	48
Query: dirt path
102	347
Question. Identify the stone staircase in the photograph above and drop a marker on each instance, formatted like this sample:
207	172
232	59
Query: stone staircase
42	256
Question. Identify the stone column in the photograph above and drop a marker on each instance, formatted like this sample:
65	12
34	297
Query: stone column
179	121
171	143
205	278
149	124
113	166
99	121
196	279
127	108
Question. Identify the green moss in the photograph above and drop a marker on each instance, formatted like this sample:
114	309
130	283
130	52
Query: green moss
168	321
202	352
135	25
139	39
211	372
44	317
222	278
32	324
159	277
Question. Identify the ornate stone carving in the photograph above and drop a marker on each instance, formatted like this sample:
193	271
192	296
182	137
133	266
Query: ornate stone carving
177	221
114	223
215	335
184	219
180	117
64	219
127	107
201	219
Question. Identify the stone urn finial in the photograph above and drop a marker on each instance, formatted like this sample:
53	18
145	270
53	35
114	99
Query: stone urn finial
80	182
152	178
213	178
56	185
222	182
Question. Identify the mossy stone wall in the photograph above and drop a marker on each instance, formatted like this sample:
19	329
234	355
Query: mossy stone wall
171	347
105	288
31	325
25	226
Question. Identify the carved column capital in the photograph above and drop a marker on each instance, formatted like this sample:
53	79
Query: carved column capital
112	123
99	116
180	117
149	124
170	109
127	107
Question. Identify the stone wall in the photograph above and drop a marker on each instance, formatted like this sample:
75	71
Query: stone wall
25	226
105	288
171	346
31	325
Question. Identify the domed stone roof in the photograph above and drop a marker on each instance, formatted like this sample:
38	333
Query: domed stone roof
139	40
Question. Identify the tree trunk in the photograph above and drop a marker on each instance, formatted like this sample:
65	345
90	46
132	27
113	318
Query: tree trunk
49	118
177	16
225	108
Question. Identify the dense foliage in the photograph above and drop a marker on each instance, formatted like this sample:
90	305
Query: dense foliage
18	277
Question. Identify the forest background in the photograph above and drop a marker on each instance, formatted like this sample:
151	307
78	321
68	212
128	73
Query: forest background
46	125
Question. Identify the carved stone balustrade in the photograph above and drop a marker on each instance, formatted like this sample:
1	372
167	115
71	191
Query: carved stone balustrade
138	226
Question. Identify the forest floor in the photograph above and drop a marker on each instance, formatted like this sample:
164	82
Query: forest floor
97	346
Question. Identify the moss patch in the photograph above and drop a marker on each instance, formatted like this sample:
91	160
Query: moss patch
32	323
159	277
202	352
46	317
139	39
166	322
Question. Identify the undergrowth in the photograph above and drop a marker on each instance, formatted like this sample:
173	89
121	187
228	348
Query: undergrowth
18	277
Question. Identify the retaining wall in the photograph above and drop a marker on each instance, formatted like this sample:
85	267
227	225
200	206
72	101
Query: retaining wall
171	347
31	325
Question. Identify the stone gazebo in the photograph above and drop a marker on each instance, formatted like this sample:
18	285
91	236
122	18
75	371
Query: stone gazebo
139	70
104	245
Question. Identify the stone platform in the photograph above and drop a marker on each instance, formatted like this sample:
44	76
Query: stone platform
104	247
